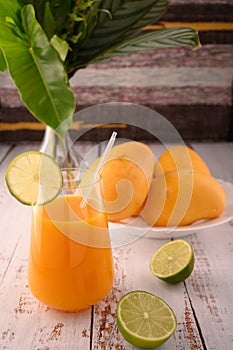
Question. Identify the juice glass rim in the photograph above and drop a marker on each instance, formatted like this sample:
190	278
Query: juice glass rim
76	181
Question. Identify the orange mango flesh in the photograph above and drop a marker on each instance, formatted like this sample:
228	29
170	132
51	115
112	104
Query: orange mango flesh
177	199
124	192
180	158
179	191
126	176
70	262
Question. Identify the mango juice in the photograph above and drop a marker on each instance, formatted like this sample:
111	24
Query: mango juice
70	260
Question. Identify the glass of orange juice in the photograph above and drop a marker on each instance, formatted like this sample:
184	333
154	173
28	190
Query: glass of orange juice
70	260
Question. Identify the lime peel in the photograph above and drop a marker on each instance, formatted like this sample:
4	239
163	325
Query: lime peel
173	262
34	178
144	319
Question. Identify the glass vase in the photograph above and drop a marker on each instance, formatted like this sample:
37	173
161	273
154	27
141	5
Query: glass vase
62	149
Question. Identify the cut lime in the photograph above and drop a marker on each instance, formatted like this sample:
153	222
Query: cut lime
144	319
173	262
34	178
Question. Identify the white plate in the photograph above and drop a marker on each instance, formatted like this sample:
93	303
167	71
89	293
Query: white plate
136	227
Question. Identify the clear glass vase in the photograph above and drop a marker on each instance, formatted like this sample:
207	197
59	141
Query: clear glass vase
62	149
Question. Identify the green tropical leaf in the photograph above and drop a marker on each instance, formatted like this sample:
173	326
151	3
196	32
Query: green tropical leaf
60	46
102	29
109	5
39	7
38	72
59	10
123	17
110	30
3	65
159	39
49	24
113	5
156	12
12	9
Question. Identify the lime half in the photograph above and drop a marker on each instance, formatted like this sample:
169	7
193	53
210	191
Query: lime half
144	319
173	262
34	178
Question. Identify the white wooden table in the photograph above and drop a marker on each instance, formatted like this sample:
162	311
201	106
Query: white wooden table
203	304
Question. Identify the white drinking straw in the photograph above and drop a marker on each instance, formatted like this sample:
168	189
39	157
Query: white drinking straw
100	164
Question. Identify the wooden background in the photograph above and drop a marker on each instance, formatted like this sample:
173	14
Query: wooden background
203	303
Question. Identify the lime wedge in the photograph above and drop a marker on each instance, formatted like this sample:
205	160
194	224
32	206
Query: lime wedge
144	319
34	178
173	262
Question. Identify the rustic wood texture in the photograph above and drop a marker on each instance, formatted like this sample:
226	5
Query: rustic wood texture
203	303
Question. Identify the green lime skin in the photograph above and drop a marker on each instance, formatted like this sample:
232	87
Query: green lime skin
144	342
162	259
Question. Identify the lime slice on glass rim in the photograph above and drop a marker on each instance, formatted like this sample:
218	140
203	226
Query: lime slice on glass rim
144	319
34	178
173	262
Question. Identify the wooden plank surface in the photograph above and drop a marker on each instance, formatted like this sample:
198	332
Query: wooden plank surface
25	323
203	304
210	286
133	273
